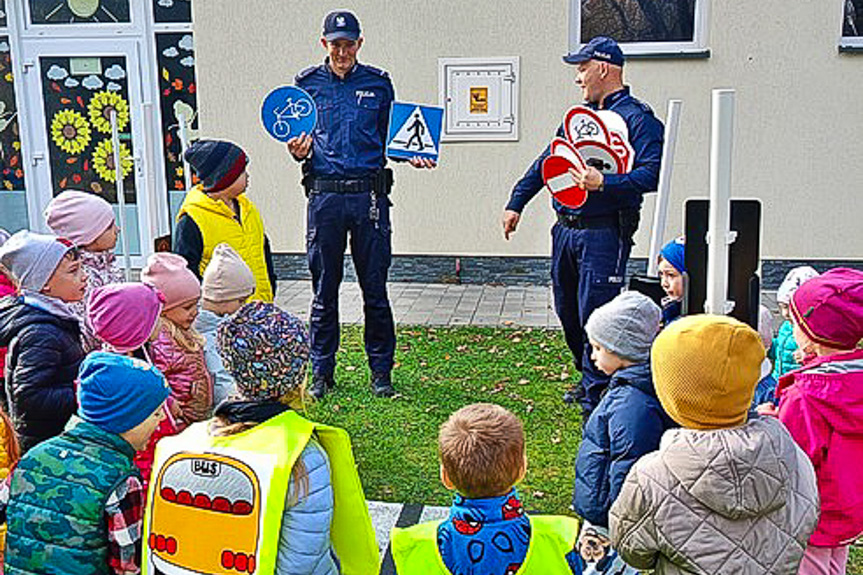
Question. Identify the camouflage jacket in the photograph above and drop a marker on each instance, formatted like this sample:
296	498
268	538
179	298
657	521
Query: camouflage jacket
55	514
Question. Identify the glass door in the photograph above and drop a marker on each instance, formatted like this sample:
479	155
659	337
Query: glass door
73	88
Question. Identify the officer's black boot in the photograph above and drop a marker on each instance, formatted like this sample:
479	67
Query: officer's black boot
321	384
382	385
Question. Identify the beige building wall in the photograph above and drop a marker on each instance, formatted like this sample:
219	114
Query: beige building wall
799	121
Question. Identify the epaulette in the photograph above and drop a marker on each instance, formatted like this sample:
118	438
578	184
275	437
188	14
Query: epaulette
379	71
307	72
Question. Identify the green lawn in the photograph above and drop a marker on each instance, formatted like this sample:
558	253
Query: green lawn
439	370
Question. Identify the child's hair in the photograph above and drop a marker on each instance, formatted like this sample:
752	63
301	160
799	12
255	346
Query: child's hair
188	339
481	447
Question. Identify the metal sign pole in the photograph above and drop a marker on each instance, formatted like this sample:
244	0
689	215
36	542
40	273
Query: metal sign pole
183	135
121	198
663	190
718	233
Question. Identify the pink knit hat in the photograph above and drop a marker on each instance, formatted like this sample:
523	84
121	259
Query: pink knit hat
171	274
123	314
79	216
829	308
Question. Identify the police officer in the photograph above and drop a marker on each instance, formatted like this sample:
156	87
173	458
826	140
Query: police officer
347	185
591	244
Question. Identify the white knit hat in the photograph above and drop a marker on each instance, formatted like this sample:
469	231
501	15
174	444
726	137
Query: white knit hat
793	280
227	276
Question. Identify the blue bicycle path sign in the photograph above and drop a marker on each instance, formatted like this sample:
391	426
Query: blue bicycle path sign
414	130
287	112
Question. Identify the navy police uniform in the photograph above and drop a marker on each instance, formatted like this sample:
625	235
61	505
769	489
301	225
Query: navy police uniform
591	244
347	185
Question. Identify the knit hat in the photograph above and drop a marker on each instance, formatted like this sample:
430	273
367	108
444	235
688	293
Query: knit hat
170	273
227	276
265	350
4	235
765	326
626	326
123	315
829	308
674	252
117	393
705	368
79	216
32	258
216	162
793	280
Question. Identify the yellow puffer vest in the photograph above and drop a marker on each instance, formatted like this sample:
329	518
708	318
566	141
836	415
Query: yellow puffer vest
218	225
415	549
215	503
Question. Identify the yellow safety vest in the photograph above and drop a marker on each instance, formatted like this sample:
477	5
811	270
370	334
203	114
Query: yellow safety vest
218	225
415	549
215	504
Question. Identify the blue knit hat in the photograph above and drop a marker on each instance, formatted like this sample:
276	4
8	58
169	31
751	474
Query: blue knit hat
265	350
674	252
218	163
117	393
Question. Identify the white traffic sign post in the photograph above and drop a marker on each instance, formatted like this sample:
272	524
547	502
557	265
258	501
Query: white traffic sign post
663	190
121	197
719	230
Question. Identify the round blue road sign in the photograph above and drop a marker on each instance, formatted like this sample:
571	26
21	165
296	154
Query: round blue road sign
287	112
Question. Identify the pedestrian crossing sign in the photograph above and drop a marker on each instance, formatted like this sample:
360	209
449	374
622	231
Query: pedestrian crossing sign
414	130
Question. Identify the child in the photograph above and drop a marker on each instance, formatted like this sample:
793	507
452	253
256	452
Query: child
218	211
784	344
178	351
75	502
627	423
228	283
10	453
723	494
482	455
312	509
42	333
88	222
6	288
765	390
672	266
821	404
125	317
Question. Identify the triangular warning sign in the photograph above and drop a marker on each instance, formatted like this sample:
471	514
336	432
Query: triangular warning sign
414	136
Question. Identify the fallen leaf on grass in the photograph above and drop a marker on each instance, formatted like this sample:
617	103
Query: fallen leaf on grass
538	494
461	348
523	381
529	408
430	408
350	368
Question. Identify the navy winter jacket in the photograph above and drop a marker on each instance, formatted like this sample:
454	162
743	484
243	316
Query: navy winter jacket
627	423
41	368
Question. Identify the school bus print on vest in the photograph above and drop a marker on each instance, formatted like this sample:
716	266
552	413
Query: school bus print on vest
205	518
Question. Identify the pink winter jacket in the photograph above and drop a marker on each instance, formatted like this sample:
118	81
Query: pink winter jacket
191	392
6	288
821	404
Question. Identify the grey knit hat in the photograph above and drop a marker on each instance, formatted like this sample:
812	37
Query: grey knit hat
626	326
32	258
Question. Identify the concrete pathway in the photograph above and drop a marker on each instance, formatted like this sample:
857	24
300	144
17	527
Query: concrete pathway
437	304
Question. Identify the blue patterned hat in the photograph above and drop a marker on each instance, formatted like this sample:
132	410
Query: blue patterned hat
265	349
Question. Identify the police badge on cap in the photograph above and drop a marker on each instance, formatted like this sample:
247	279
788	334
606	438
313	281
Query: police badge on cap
341	24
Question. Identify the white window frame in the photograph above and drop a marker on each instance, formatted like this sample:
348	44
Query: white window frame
848	43
696	48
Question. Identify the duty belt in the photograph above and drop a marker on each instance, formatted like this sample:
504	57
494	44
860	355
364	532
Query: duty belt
379	183
587	222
